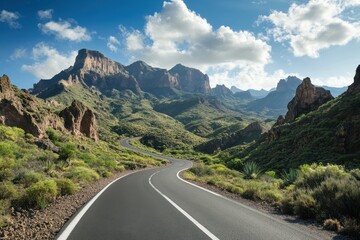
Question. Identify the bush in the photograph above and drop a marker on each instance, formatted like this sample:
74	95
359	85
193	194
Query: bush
312	175
82	174
351	227
304	205
338	197
251	170
200	169
28	178
332	225
53	135
65	186
67	151
271	174
41	193
7	190
6	168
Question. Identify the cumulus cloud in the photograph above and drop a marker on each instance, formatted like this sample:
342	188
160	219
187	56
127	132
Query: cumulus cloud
10	18
64	30
48	61
316	25
246	76
179	35
45	14
18	53
113	43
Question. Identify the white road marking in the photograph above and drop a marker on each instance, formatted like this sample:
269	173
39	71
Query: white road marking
196	223
66	233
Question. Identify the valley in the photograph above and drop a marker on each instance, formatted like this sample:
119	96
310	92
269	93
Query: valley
286	148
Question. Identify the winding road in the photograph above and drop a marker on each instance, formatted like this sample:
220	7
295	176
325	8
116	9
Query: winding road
157	204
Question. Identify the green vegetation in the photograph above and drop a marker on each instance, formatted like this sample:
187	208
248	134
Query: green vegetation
31	177
325	193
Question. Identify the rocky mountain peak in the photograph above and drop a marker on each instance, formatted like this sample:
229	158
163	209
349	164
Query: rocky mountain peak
307	98
94	61
191	79
355	87
80	120
288	84
222	91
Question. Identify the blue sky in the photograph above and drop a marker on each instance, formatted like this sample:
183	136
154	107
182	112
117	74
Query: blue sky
249	44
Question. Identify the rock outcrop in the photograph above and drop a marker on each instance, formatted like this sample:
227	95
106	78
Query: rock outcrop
20	109
80	120
191	79
355	87
152	79
307	98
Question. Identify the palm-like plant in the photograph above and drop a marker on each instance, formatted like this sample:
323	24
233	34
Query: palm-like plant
251	170
290	177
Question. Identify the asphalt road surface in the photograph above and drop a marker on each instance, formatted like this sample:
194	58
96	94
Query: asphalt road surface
156	204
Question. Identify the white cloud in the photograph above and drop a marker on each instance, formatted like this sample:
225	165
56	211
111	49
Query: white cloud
179	35
64	30
113	43
10	18
18	53
248	76
316	25
45	14
335	81
48	61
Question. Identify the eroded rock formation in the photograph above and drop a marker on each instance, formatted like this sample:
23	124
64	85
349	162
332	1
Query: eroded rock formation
80	120
307	98
20	109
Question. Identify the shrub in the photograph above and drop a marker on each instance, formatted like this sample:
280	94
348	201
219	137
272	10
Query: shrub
351	227
251	170
7	190
355	173
28	178
11	133
332	225
41	193
339	197
200	169
6	168
82	174
67	151
304	205
312	175
271	174
65	186
53	135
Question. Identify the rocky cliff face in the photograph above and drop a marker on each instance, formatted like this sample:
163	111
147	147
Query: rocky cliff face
307	98
91	68
151	79
355	87
190	79
80	120
21	109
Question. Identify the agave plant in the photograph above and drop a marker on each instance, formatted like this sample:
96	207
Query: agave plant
290	177
251	170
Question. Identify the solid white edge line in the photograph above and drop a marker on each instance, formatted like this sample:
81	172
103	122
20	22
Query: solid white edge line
67	231
196	223
243	205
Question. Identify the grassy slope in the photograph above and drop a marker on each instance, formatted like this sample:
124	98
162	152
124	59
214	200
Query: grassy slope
312	138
